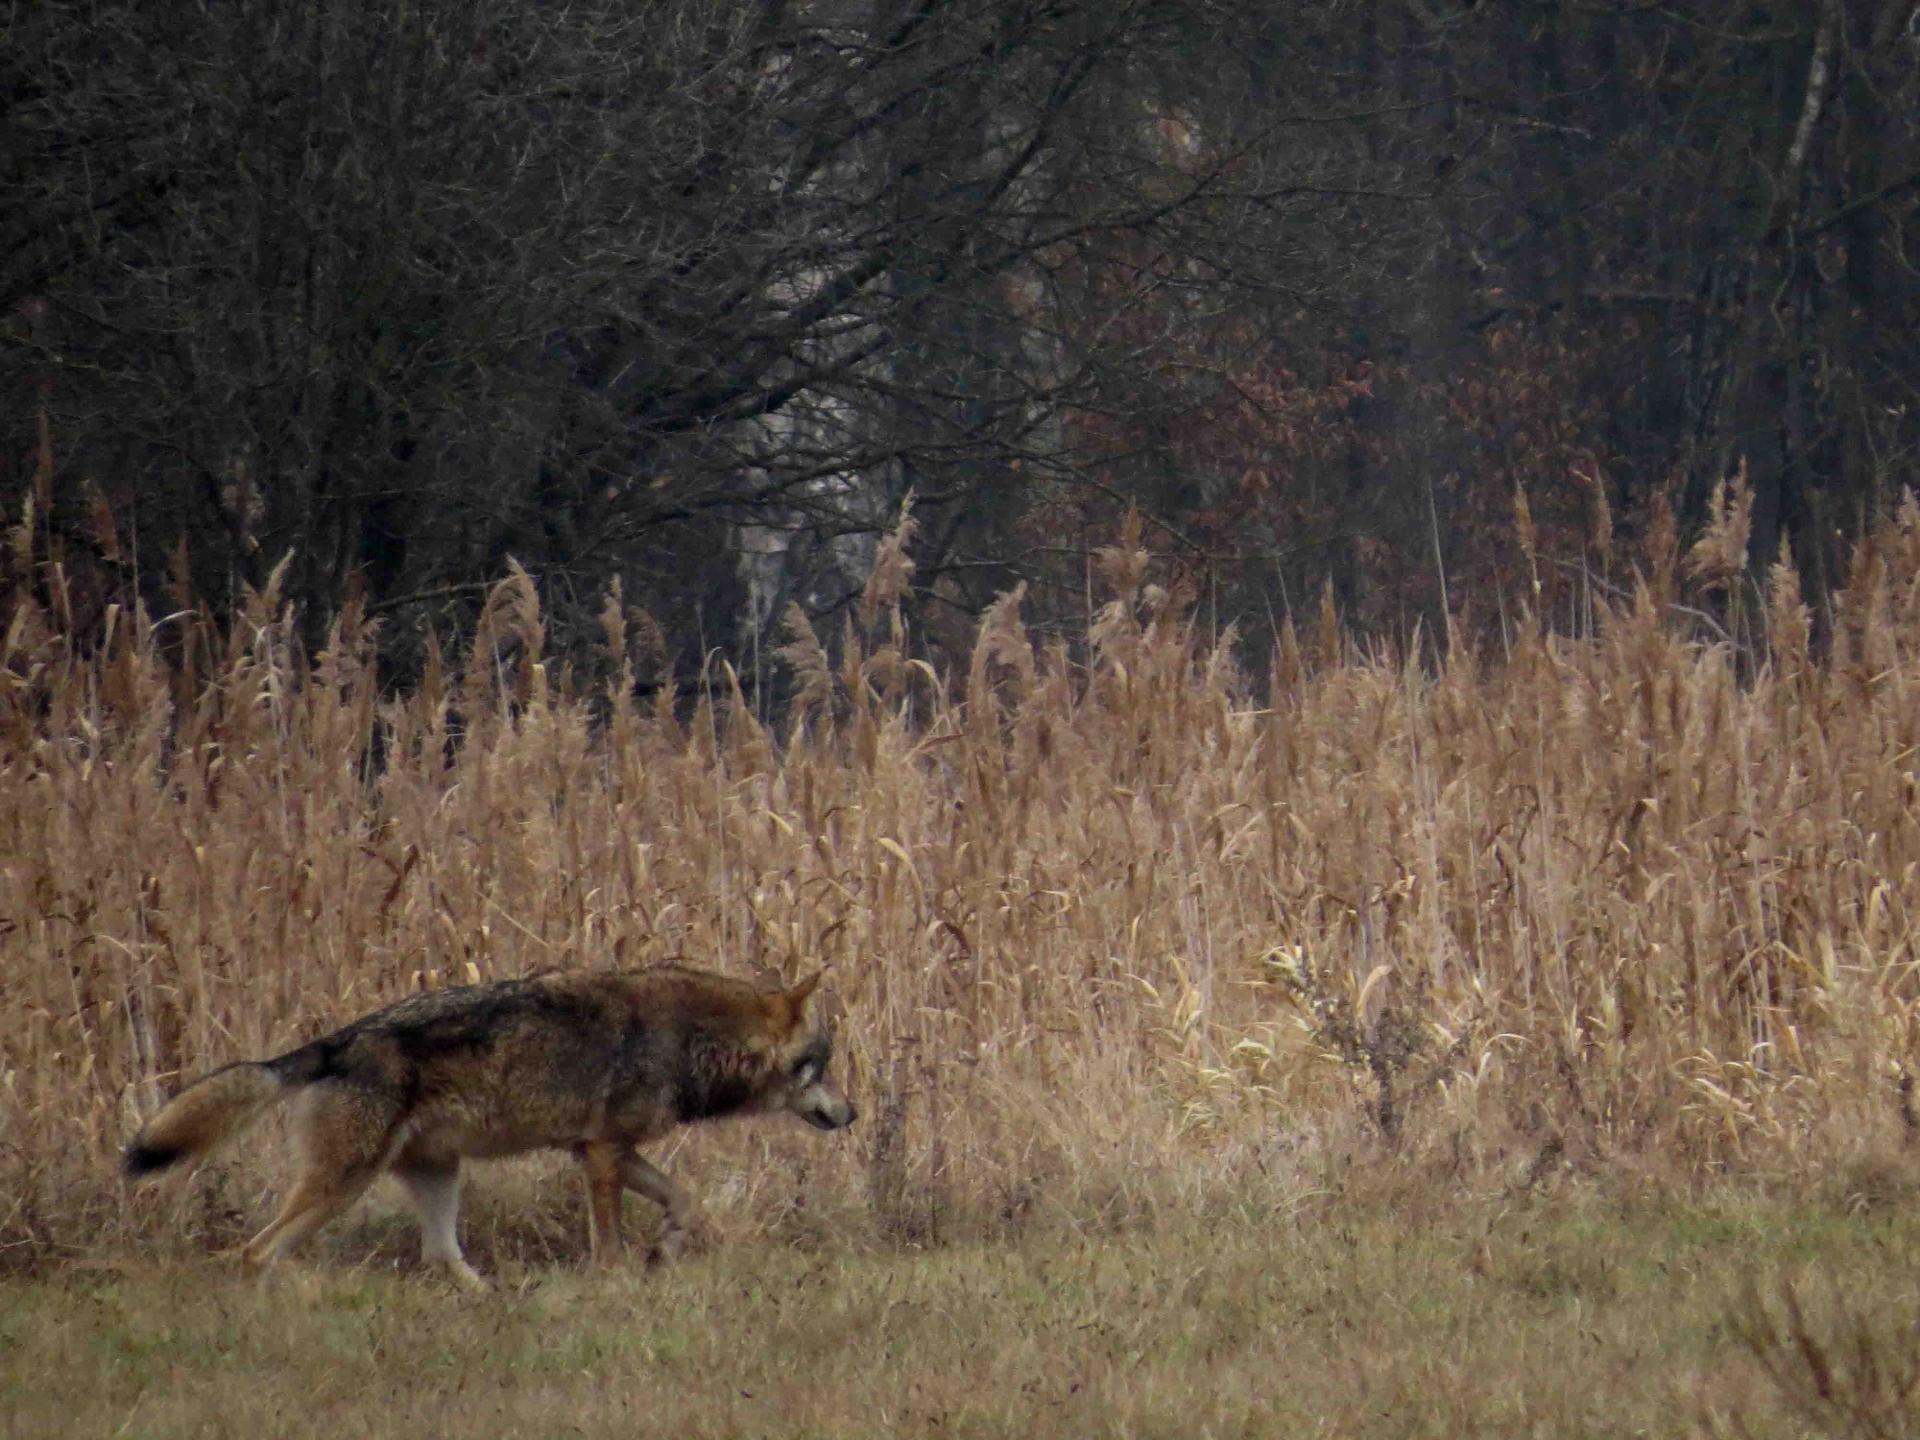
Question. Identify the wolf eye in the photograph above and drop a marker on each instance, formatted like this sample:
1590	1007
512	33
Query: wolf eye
812	1062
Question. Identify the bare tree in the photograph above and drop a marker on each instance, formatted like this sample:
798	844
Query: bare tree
692	295
688	295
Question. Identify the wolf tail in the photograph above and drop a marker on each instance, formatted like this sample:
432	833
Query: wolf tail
205	1113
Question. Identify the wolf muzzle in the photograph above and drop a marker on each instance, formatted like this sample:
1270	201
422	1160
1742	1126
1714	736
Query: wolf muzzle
826	1109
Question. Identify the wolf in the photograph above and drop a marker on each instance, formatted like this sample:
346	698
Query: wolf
596	1062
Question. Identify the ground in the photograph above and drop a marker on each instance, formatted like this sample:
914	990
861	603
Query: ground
1575	1314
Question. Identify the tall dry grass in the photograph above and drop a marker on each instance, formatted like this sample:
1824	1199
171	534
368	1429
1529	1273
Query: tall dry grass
1110	932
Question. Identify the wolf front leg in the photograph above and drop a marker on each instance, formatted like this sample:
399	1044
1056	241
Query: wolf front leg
683	1222
600	1162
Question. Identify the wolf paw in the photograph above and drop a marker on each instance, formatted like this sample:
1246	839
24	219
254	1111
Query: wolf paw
679	1240
465	1276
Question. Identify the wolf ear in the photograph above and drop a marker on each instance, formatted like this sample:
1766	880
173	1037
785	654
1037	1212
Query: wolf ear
789	1007
797	997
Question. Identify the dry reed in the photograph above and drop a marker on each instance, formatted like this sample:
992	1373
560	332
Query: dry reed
1109	932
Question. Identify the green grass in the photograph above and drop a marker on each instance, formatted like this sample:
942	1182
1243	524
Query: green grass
1558	1316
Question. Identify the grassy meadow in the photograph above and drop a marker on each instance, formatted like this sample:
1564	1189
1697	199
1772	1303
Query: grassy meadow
1489	1040
1566	1317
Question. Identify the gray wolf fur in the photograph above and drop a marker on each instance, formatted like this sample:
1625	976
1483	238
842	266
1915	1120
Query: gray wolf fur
596	1062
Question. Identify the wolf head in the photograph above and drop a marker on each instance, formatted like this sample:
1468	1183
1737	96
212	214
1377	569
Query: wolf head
801	1084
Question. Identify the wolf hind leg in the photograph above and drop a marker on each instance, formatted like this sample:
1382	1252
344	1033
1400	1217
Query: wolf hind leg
347	1139
682	1223
317	1196
433	1185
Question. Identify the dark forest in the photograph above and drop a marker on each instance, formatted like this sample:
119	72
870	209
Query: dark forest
1434	310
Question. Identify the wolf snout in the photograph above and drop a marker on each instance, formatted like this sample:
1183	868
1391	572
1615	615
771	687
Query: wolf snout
831	1117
